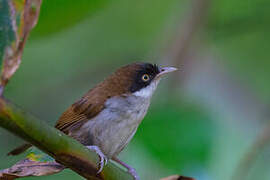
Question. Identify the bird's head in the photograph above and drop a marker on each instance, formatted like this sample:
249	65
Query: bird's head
139	79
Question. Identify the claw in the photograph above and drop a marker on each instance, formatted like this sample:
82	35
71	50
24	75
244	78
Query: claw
133	172
106	161
103	159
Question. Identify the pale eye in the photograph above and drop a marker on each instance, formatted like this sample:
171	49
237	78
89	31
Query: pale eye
145	77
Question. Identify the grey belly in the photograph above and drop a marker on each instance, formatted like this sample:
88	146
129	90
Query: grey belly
115	126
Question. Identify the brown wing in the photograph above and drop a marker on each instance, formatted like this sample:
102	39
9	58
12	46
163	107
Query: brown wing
83	110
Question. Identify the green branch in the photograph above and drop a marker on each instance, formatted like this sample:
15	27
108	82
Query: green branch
64	149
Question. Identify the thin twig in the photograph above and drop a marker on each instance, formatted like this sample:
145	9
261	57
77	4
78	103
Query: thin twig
250	157
193	20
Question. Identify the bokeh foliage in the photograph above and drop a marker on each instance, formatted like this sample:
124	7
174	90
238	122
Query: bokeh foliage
58	15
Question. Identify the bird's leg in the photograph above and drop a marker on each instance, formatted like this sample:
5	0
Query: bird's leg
131	170
103	159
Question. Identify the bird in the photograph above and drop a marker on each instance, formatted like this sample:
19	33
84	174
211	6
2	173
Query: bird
106	118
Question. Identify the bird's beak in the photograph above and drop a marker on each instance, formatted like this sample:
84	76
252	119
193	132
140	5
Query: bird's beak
166	70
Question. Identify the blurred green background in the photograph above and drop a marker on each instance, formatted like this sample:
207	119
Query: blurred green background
202	120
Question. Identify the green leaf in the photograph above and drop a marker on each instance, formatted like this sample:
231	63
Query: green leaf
17	18
37	155
7	33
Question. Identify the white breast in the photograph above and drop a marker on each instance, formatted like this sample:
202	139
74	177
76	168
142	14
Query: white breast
115	126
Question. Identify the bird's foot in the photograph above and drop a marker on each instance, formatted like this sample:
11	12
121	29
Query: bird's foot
131	170
103	159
